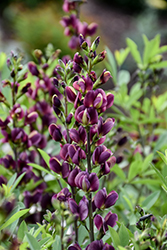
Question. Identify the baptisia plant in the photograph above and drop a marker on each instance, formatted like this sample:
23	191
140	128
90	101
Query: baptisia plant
83	159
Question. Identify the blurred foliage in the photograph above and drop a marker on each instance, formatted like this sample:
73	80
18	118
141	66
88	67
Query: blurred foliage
37	27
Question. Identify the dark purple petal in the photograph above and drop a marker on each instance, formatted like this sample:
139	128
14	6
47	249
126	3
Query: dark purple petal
112	197
108	247
55	132
75	247
104	156
111	219
94	182
73	206
98	220
110	100
83	208
89	98
100	198
95	245
71	95
93	115
55	165
72	175
33	68
74	135
65	170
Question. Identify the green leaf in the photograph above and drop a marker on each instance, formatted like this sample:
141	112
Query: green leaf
159	174
57	244
44	241
163	157
162	141
123	235
134	169
114	236
121	248
147	162
159	65
40	168
121	55
2	59
33	243
151	48
12	180
45	156
134	51
14	218
22	230
118	171
112	64
123	77
128	202
150	200
38	230
17	182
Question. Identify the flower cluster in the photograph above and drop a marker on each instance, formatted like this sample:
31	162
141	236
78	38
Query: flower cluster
82	143
25	130
73	26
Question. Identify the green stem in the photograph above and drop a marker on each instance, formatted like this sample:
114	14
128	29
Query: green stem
62	233
91	226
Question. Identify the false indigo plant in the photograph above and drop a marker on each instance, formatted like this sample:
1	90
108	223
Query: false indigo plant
83	159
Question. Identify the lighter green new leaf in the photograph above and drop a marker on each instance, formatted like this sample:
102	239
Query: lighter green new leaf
134	51
33	243
14	218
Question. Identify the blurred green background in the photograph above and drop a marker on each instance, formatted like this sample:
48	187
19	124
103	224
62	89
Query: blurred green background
32	24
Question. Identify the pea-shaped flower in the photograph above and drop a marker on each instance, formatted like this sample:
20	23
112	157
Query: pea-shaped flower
102	200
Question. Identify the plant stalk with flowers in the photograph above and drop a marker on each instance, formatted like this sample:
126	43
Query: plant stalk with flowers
83	158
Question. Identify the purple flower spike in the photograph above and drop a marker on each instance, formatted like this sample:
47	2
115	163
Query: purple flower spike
55	132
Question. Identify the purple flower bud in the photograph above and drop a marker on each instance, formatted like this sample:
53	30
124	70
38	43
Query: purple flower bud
105	76
91	29
18	135
81	210
95	44
63	195
55	165
17	112
25	88
76	246
100	155
35	138
8	162
31	117
100	57
68	6
3	180
71	95
2	97
33	68
95	245
102	200
110	100
86	115
55	132
109	220
104	128
69	118
72	175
